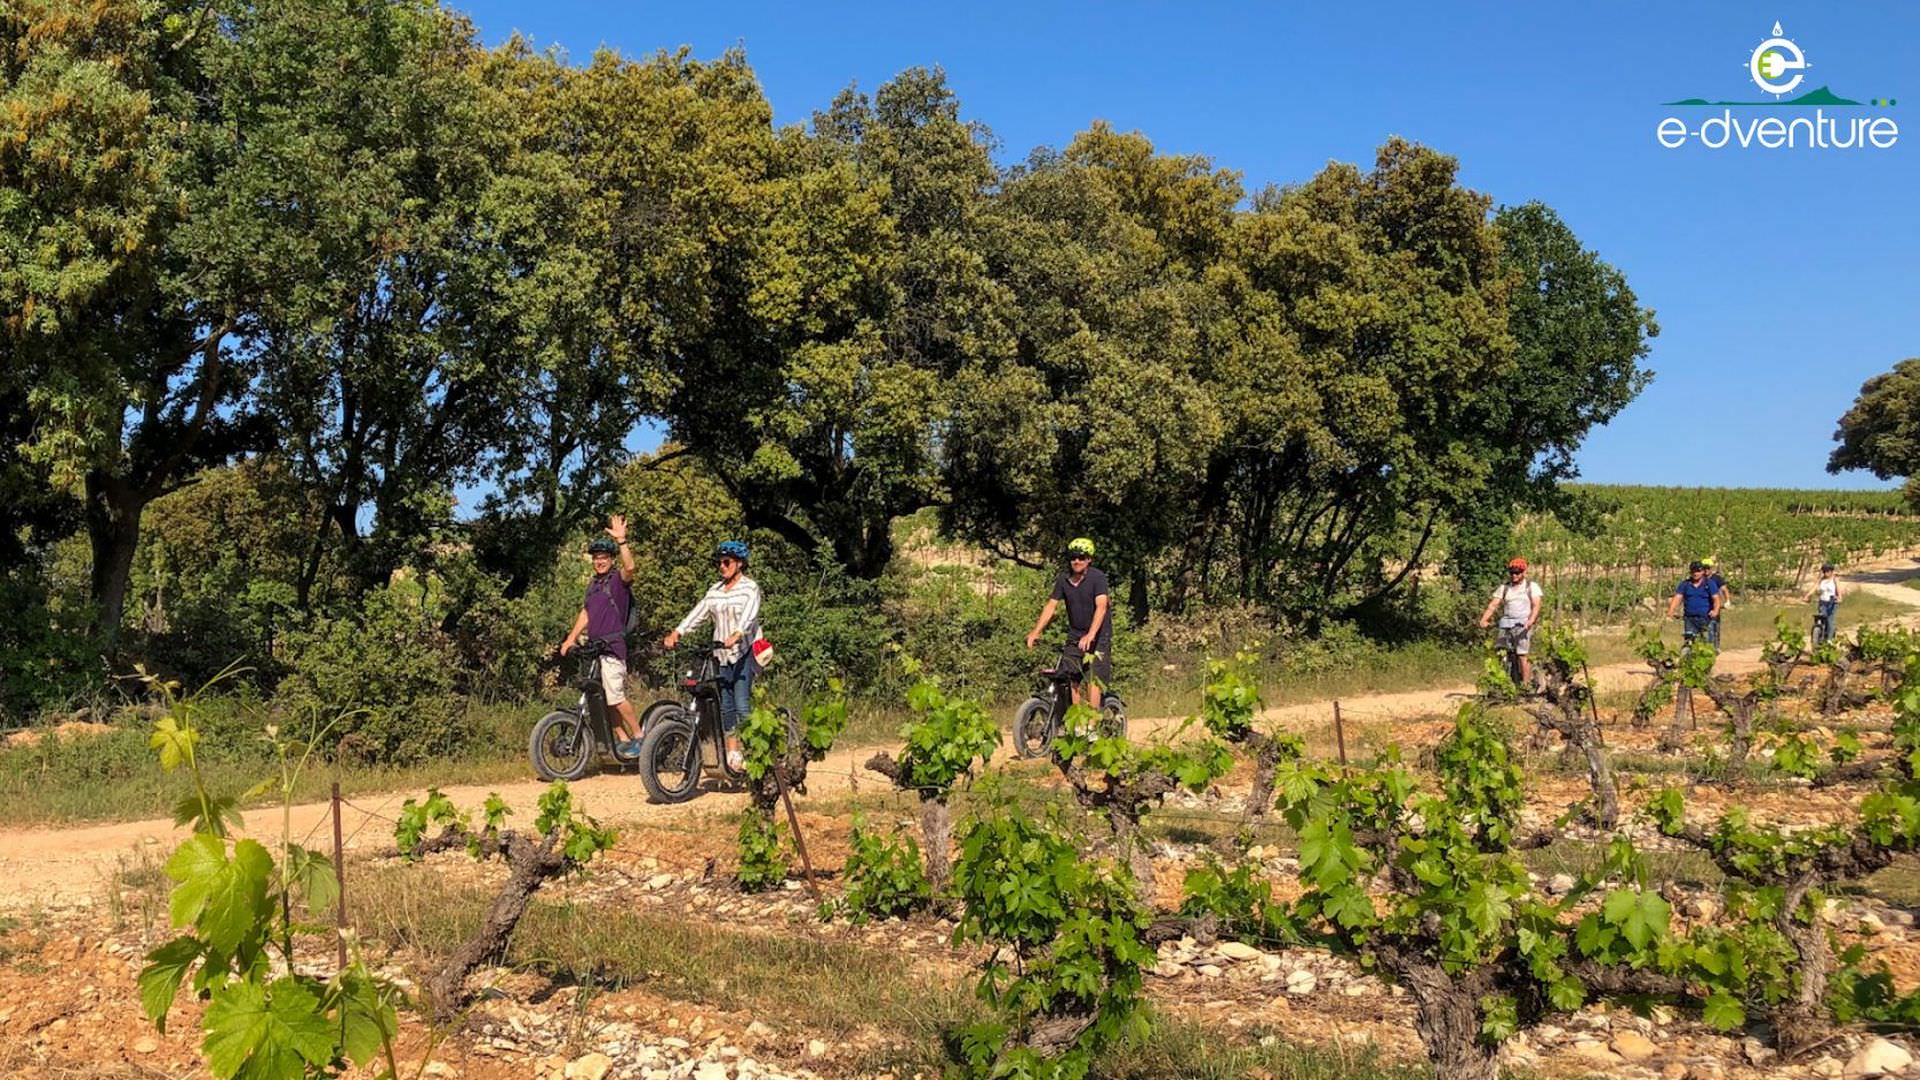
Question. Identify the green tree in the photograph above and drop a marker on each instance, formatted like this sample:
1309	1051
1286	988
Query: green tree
1105	425
214	578
1881	432
620	200
129	263
1579	335
819	382
392	367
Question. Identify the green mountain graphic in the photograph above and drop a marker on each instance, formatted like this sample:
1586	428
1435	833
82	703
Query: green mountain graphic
1822	96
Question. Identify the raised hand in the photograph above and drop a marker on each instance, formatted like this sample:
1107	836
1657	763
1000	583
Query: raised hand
617	528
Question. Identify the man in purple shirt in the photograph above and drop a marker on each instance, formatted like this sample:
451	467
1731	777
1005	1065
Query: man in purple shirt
603	619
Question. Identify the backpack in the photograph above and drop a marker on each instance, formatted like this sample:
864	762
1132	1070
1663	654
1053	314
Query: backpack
1506	591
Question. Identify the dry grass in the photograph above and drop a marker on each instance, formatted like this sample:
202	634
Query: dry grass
799	980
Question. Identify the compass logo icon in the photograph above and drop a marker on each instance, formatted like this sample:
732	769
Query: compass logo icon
1777	64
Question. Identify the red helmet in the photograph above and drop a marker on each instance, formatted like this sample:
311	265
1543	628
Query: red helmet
1517	564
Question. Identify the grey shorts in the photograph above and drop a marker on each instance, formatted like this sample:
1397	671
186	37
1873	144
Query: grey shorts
1518	638
1098	664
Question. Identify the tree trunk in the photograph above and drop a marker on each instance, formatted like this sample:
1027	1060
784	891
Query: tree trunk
1565	714
113	512
1802	1021
1739	710
1600	778
936	838
1130	845
1266	758
532	864
1139	602
1447	1016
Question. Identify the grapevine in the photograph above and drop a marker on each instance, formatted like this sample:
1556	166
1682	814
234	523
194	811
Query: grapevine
944	740
1064	979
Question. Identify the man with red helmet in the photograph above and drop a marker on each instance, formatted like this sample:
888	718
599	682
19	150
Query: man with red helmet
1517	601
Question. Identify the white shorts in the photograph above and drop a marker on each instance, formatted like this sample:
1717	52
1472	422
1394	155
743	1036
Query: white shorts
613	679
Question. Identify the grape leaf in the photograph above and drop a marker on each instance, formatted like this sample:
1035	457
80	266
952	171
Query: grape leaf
160	979
1723	1011
312	874
174	742
366	1021
222	897
1642	916
265	1032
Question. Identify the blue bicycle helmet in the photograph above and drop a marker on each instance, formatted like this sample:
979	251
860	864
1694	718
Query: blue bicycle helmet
732	549
603	545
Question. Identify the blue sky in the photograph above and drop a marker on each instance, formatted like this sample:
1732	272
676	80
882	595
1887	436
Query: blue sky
1782	278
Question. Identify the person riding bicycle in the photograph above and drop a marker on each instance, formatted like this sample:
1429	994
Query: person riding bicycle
1698	599
1826	593
1518	602
1726	598
1089	646
733	603
603	619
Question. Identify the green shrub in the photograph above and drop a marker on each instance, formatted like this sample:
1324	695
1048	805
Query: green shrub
41	663
763	865
883	877
498	642
388	672
1241	901
1073	930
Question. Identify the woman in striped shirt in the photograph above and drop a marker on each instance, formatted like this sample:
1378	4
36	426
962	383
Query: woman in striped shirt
733	603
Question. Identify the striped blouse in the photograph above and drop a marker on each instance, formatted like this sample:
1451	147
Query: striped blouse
733	611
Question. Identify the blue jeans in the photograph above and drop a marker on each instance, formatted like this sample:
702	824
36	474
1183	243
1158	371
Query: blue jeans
1827	609
736	693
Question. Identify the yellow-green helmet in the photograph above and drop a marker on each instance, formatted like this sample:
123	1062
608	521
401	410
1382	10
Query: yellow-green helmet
1080	545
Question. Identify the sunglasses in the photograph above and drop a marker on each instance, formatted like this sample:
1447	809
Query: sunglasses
1516	570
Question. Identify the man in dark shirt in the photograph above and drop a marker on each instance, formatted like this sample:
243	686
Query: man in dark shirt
603	618
1726	599
1697	599
1090	633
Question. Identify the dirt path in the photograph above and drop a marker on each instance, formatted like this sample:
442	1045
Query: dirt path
73	866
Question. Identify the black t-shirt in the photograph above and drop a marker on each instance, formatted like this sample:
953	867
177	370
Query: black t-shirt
1079	600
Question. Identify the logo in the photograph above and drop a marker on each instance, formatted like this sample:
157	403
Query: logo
1774	58
1779	67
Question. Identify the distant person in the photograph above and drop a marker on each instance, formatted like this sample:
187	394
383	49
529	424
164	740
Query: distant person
1826	594
1726	598
733	603
1089	629
1697	601
603	620
1517	601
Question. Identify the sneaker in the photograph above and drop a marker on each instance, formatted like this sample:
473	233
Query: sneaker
736	760
627	748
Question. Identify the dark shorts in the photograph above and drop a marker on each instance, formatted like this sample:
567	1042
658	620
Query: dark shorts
1098	664
1693	626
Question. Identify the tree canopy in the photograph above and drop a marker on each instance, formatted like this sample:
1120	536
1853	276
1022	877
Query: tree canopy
1881	432
390	268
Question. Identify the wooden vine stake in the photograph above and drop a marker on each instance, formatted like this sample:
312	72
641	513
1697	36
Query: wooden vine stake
799	842
340	876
